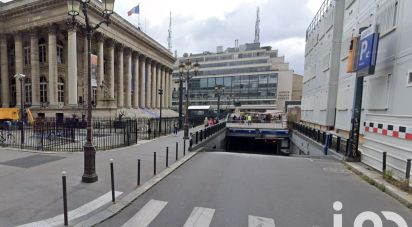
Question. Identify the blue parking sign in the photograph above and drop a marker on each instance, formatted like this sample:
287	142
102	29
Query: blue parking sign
368	47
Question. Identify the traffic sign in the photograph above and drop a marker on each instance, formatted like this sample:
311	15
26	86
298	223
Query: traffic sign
367	52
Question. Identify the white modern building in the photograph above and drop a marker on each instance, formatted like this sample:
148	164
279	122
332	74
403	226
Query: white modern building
254	76
387	116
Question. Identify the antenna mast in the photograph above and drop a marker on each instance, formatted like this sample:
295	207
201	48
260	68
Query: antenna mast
257	27
169	39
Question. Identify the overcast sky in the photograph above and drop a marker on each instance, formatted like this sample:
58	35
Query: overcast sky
200	25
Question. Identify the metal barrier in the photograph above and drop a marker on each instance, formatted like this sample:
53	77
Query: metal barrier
200	135
70	134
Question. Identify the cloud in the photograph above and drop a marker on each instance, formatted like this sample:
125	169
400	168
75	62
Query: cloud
202	25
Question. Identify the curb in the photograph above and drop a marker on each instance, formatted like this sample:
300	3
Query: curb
382	185
132	196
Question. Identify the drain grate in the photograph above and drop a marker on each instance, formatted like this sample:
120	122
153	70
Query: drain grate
31	161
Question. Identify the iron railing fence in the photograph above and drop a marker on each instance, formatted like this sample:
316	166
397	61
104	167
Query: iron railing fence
70	134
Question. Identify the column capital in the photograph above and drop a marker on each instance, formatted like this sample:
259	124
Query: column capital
52	28
142	57
110	43
72	25
119	47
100	38
34	32
127	51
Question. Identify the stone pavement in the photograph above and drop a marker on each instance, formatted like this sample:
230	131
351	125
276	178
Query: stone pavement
31	188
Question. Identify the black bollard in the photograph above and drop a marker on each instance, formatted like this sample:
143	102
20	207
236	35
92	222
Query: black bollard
112	180
66	220
138	172
184	147
167	156
408	170
154	164
384	162
177	151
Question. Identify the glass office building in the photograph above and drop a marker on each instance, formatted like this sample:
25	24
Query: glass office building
250	74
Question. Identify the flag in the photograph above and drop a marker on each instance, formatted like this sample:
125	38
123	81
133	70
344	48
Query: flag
134	10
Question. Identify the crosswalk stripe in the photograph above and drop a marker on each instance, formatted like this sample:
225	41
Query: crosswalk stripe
200	217
147	214
77	213
255	221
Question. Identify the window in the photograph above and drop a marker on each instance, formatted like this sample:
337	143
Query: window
60	52
60	90
26	59
27	91
43	89
387	15
42	51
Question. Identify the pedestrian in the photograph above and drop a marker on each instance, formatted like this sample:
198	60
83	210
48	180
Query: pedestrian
206	122
249	119
175	128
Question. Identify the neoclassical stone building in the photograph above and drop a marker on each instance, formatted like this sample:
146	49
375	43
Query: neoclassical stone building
37	41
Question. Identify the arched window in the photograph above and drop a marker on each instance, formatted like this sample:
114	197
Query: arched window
60	52
27	91
60	90
42	50
43	89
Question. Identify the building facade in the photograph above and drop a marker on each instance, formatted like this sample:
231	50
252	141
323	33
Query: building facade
387	118
35	40
254	76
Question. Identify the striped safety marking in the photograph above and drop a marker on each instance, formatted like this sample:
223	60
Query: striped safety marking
391	130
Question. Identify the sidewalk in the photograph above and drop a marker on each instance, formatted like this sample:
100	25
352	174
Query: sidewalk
375	178
31	188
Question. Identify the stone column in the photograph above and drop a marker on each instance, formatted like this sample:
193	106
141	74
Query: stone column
111	69
159	85
100	67
18	59
120	82
142	76
35	68
164	83
128	79
136	82
169	93
72	66
5	81
52	78
154	85
149	84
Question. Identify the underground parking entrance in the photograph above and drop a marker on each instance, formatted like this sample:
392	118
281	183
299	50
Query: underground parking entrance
253	145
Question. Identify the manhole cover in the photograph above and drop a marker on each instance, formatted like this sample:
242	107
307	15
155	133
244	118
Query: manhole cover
336	170
31	161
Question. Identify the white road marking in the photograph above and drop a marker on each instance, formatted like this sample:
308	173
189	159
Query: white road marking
74	214
200	217
146	215
255	221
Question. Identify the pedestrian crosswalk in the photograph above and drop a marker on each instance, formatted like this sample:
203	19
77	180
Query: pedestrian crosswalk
199	217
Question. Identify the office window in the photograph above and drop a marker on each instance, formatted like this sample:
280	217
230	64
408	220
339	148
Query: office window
60	90
387	15
60	52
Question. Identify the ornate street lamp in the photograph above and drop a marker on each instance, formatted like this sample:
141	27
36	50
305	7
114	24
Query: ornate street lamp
219	90
181	79
21	77
188	66
73	10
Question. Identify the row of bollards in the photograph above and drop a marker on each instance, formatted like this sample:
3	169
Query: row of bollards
408	166
64	177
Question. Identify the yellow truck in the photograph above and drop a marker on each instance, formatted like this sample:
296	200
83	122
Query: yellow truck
13	114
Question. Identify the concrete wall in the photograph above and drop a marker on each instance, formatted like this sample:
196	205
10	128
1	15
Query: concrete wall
216	141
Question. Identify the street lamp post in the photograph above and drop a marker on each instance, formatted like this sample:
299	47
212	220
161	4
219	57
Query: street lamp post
219	90
89	175
160	119
181	101
21	77
182	67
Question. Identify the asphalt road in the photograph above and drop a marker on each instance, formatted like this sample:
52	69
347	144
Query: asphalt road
234	190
